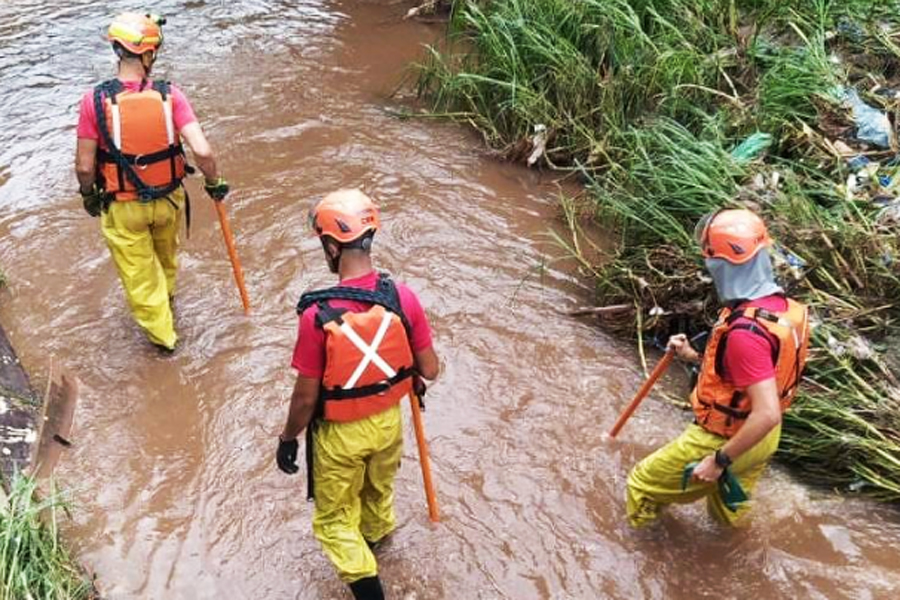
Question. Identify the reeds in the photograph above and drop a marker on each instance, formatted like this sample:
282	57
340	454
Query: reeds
33	564
647	99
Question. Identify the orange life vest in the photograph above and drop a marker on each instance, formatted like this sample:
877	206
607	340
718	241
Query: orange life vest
368	359
719	406
143	158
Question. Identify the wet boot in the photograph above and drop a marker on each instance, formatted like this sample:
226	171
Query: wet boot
368	588
377	544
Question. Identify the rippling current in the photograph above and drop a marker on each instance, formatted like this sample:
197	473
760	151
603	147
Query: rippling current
172	475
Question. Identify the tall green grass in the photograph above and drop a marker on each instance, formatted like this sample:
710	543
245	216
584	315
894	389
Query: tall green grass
646	99
33	563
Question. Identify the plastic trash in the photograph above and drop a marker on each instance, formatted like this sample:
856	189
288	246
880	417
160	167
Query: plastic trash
783	256
857	162
872	126
851	30
752	147
539	143
889	214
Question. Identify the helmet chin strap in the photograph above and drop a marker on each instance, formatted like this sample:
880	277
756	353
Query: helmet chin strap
334	262
147	60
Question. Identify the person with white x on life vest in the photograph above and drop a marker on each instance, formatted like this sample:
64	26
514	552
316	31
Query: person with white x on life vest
130	164
749	372
361	348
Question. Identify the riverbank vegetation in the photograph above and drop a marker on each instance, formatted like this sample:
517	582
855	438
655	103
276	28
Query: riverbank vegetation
668	109
33	563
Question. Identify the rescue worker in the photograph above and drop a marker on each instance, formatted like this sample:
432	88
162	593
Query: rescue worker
749	373
130	164
360	348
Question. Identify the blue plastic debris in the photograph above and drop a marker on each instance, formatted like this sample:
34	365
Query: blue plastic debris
872	125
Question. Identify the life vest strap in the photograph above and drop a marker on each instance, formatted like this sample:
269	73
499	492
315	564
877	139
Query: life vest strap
724	408
142	160
367	390
774	344
328	314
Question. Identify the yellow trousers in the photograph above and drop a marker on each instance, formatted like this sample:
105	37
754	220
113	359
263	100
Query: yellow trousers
656	480
143	240
354	465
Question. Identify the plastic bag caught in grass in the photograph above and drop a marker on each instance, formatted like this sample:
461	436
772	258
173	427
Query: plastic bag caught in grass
872	126
751	148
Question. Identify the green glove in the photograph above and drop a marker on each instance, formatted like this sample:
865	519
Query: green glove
730	490
218	189
95	201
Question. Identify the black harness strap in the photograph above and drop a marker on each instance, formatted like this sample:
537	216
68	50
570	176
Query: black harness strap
310	480
384	295
142	160
368	390
125	163
328	314
187	213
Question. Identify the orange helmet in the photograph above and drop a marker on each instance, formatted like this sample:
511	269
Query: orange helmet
345	215
736	235
137	33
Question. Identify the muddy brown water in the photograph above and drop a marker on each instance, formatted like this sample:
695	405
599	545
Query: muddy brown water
172	472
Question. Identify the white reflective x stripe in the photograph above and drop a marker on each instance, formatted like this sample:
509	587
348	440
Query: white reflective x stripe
117	126
370	353
170	124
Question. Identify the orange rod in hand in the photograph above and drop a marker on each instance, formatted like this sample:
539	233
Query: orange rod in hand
232	254
423	458
660	368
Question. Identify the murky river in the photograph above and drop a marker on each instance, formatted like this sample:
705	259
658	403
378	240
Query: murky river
173	475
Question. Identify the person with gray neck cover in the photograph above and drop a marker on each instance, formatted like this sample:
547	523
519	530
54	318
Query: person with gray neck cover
749	373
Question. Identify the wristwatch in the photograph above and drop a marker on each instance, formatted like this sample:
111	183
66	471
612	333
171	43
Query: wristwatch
722	459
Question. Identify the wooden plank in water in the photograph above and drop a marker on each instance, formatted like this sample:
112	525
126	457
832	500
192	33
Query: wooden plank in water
56	421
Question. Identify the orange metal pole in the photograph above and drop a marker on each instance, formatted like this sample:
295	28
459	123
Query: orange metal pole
232	254
660	368
433	513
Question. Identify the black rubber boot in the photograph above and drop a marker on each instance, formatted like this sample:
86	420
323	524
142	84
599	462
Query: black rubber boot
368	588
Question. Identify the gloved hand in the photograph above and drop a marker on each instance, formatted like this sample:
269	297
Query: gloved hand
218	189
680	344
419	386
286	457
95	201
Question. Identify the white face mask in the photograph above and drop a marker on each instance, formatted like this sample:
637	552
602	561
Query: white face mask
749	281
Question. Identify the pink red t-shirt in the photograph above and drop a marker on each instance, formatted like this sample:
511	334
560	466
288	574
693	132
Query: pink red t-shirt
748	356
309	352
182	112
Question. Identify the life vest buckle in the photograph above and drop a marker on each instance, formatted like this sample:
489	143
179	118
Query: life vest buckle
384	385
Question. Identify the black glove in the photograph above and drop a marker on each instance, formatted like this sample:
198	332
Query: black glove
419	387
287	455
95	201
218	189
